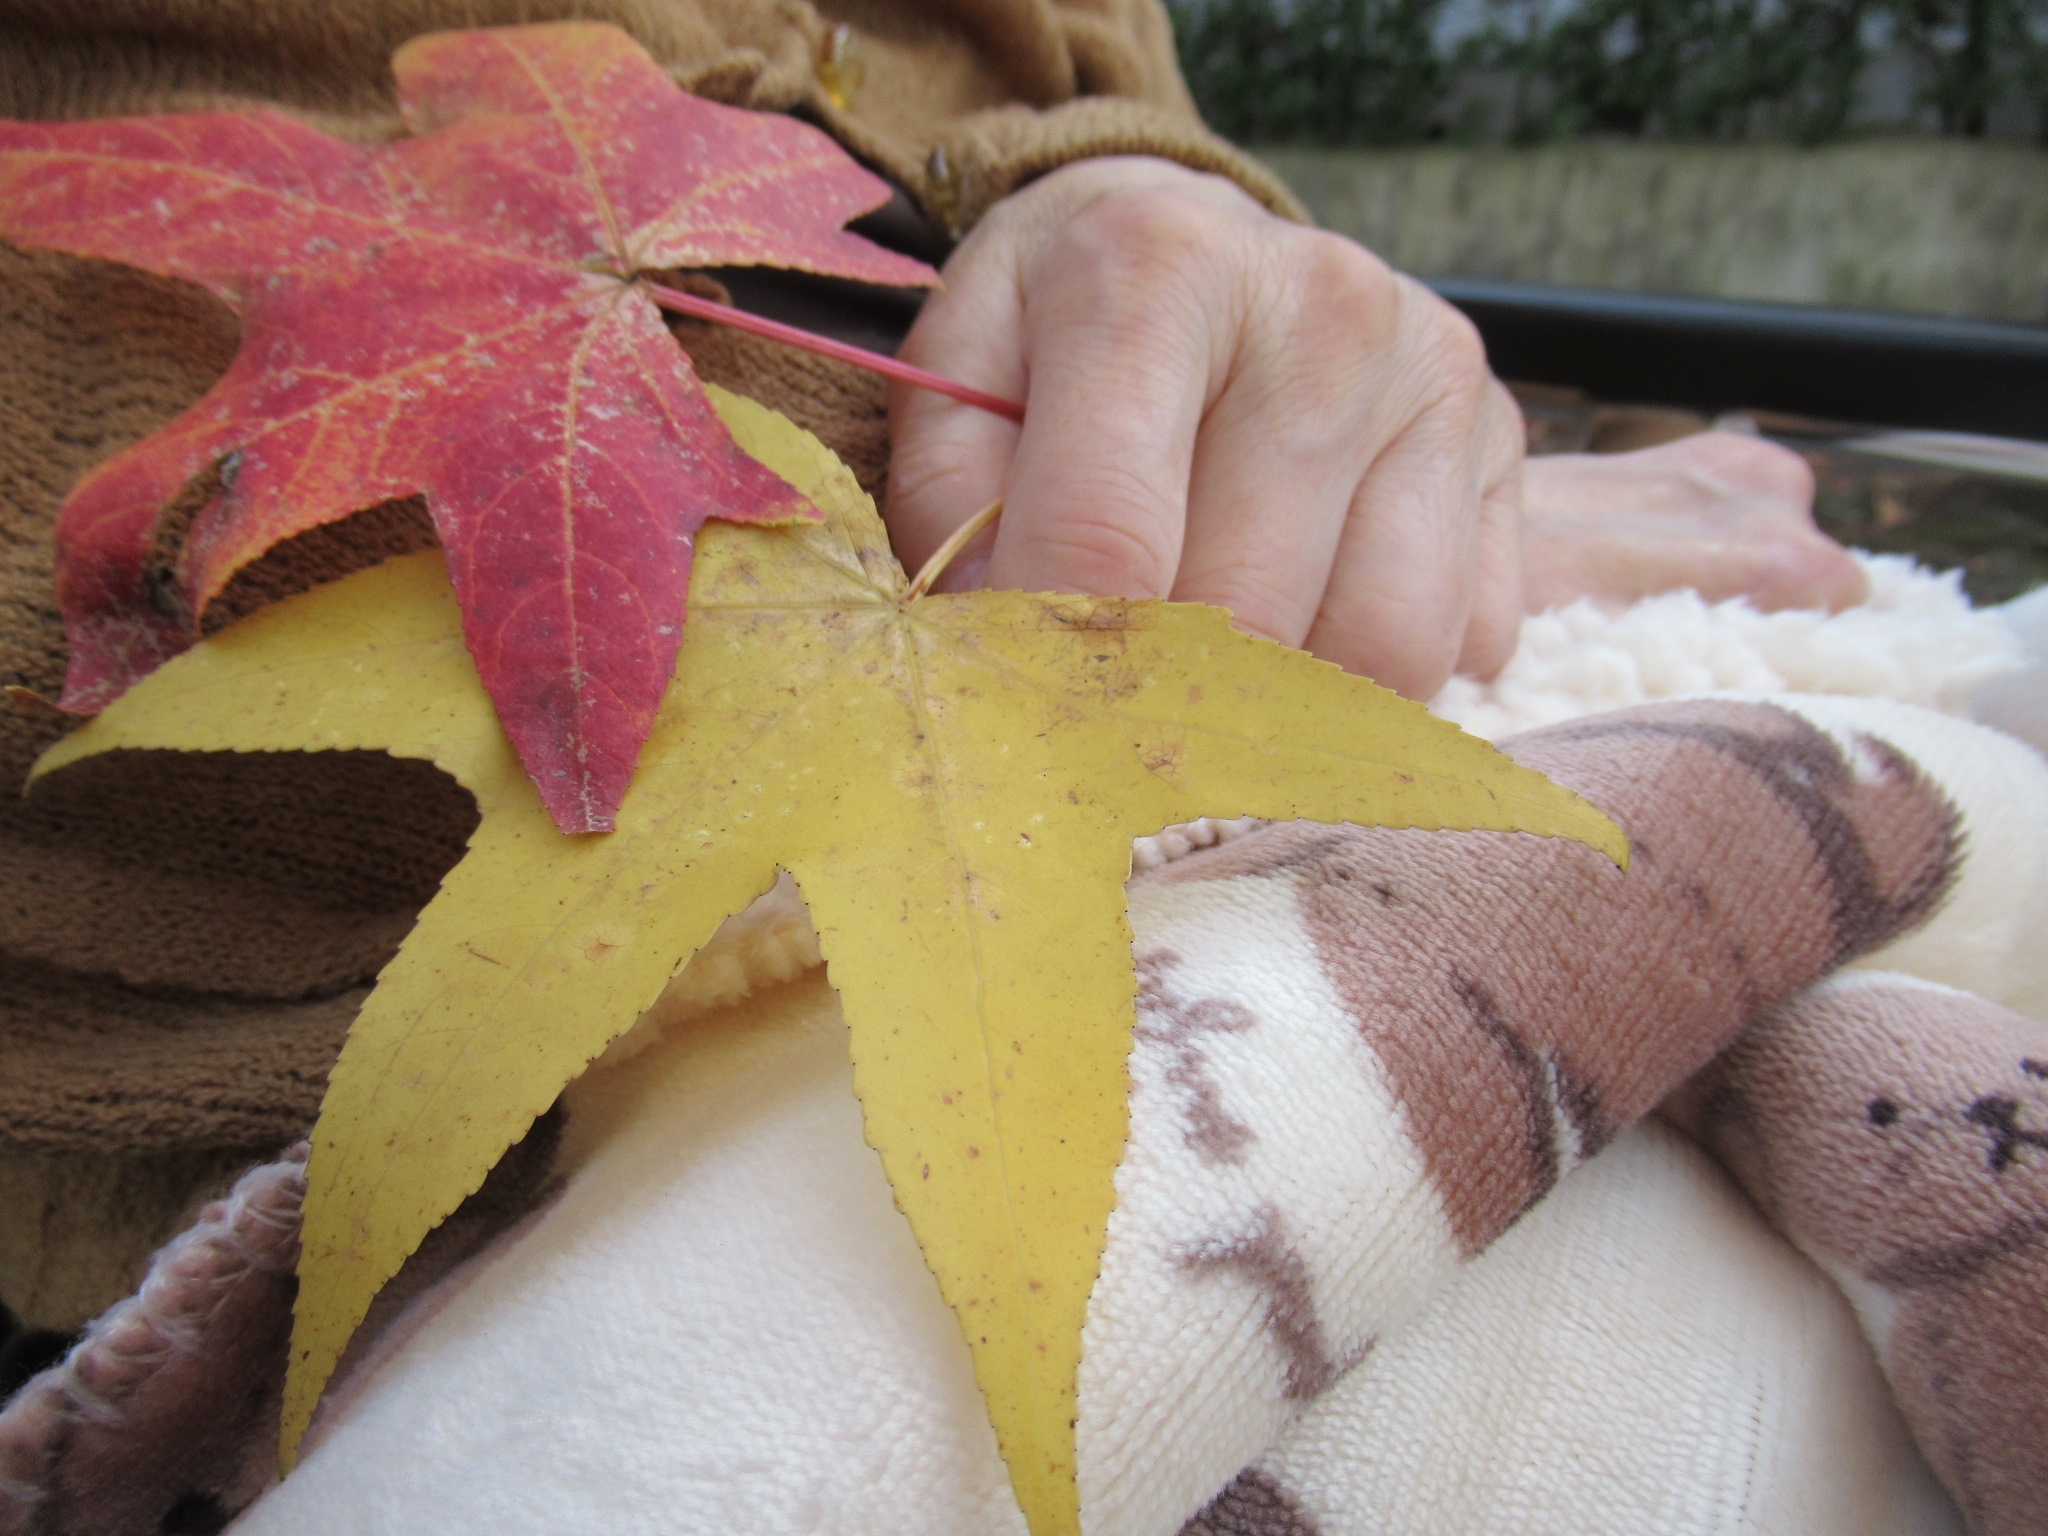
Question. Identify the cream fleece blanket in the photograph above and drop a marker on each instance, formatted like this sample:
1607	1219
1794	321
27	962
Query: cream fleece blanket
1358	1279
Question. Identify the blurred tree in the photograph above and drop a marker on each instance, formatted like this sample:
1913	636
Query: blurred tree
1682	68
1978	53
1385	72
1318	71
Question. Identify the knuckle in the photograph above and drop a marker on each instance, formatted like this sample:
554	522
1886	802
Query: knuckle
1111	539
1460	353
919	478
1779	471
1137	236
1405	643
1321	326
1416	669
1347	271
1751	467
1106	557
1491	634
1363	330
1262	602
1346	294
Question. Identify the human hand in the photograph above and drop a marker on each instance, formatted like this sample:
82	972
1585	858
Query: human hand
1725	514
1221	407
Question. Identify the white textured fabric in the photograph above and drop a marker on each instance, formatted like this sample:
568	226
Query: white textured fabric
1992	936
1639	1354
2017	702
722	1325
1181	1373
1916	640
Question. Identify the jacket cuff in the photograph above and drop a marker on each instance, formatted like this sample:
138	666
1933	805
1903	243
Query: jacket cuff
984	157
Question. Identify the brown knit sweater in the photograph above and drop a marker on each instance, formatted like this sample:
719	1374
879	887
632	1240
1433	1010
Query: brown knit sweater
183	940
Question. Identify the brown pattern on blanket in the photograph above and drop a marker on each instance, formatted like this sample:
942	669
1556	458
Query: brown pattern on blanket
1527	999
1275	1266
1181	1023
1254	1505
1899	1132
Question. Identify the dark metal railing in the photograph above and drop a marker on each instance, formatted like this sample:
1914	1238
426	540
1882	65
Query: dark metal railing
1715	355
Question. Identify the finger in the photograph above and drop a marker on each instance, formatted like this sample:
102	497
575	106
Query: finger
1283	449
1724	515
948	459
1495	625
1768	490
1404	579
1121	341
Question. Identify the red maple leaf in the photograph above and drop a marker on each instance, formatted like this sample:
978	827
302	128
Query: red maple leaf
453	315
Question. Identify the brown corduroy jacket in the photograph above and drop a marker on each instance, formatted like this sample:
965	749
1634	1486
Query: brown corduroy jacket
184	939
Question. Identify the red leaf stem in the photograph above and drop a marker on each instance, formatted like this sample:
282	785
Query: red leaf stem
824	346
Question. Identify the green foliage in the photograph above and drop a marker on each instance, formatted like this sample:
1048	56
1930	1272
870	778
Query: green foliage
1978	53
1687	68
1324	71
1382	72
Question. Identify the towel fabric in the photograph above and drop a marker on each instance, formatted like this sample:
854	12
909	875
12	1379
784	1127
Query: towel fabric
1897	1132
1358	1278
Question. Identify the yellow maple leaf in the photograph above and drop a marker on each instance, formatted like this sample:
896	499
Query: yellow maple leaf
953	781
